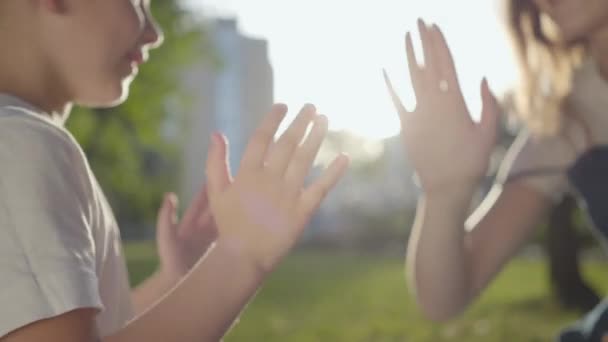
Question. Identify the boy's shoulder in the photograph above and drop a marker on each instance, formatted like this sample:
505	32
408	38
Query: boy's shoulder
34	151
22	129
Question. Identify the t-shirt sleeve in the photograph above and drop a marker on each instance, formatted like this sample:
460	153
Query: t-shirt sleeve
47	249
540	163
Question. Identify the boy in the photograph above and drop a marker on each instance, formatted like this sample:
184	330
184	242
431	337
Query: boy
62	269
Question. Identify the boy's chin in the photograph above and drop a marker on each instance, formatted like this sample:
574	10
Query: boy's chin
109	97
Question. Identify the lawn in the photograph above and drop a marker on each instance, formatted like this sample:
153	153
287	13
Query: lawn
323	296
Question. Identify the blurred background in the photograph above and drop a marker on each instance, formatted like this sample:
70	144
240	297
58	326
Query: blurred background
224	62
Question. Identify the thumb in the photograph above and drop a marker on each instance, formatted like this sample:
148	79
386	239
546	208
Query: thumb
167	216
218	170
490	111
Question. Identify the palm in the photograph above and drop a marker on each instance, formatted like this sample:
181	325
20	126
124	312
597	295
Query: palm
441	132
444	144
263	209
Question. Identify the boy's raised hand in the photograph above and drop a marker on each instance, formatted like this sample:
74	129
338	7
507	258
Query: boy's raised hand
263	210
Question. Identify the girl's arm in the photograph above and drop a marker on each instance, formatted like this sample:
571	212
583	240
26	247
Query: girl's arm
450	153
449	263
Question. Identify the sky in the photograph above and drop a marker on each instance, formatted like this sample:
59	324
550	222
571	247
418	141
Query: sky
332	52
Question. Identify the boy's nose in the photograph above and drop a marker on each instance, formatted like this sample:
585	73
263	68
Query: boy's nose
153	35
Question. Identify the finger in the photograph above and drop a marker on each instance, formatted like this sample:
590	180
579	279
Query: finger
413	66
205	218
199	205
166	219
490	112
199	202
429	74
281	153
312	196
218	169
202	228
256	150
444	62
304	157
394	97
206	226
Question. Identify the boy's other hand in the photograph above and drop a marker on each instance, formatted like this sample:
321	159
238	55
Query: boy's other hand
181	243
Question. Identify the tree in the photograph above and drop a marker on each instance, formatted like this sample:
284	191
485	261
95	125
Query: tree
132	158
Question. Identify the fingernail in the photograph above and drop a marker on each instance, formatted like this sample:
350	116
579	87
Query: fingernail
344	158
322	119
280	106
423	24
310	107
171	198
279	110
216	138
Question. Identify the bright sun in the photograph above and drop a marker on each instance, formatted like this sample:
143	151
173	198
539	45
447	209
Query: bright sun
332	53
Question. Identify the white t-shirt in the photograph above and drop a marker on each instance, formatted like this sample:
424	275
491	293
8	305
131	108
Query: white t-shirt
545	161
60	247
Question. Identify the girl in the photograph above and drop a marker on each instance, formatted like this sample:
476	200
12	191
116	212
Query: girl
564	145
62	269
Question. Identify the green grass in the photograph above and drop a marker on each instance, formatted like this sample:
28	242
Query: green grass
348	297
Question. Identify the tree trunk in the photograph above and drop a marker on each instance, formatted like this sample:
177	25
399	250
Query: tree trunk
563	248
